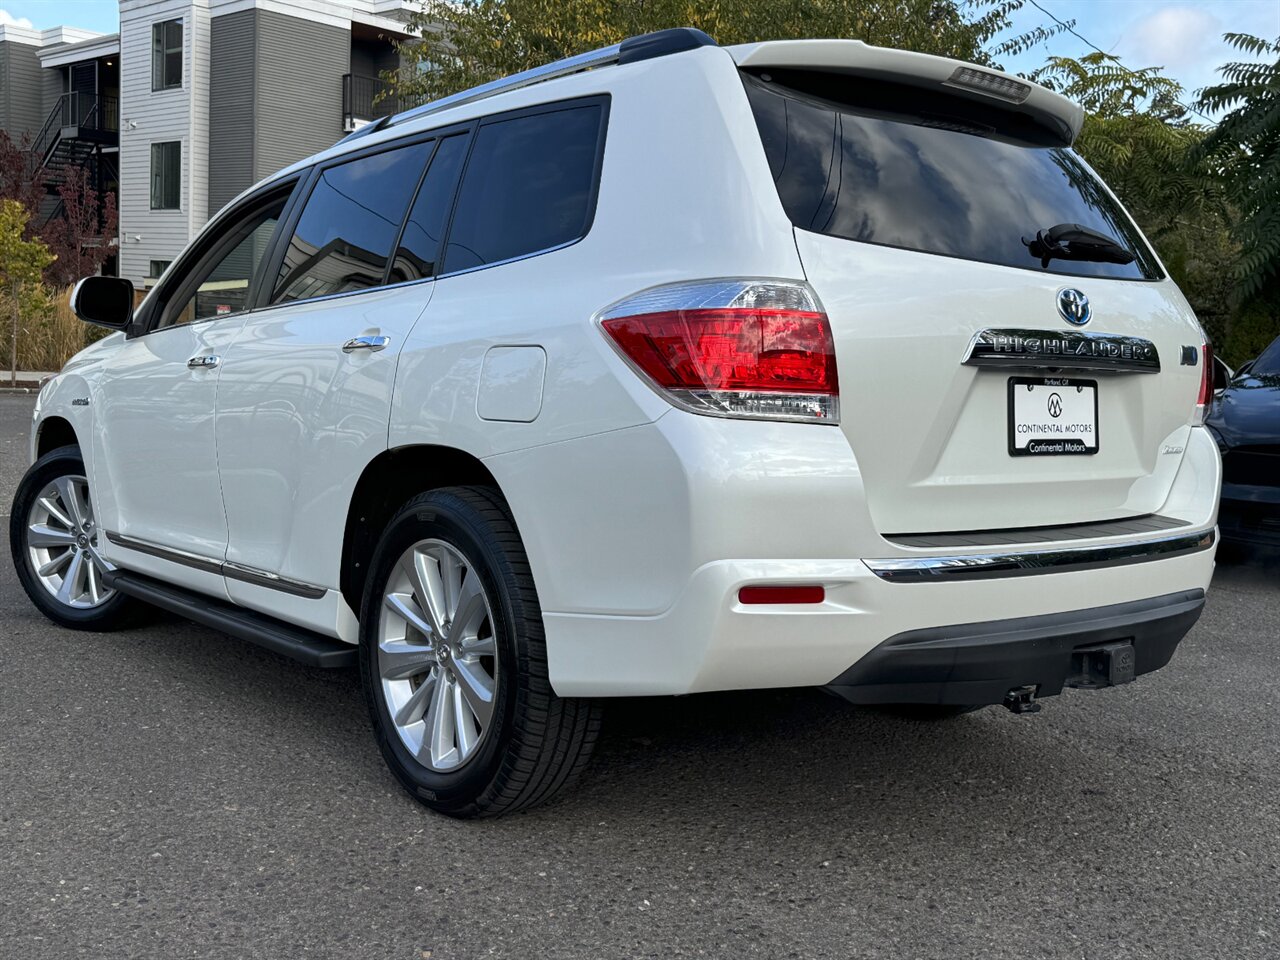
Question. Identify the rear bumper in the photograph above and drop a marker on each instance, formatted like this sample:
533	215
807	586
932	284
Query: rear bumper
979	663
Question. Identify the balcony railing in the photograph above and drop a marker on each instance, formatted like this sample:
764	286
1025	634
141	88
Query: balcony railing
365	99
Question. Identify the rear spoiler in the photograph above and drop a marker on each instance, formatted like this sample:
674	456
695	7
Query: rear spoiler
855	58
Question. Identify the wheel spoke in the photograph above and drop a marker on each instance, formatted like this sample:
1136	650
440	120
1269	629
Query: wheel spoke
56	564
400	660
56	512
404	608
43	535
424	574
463	725
91	581
470	611
476	687
70	588
417	703
450	582
437	742
69	494
479	647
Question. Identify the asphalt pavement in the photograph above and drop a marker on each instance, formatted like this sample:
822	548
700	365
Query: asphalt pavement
169	792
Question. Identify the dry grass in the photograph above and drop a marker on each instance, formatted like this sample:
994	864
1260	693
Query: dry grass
48	336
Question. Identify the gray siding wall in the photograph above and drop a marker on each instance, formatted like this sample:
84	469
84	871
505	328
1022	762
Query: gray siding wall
232	85
268	106
21	90
53	81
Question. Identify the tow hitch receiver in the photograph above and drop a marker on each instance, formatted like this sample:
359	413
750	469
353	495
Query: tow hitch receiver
1103	666
1022	700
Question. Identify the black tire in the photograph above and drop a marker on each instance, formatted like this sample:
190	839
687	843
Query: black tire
537	743
929	712
114	613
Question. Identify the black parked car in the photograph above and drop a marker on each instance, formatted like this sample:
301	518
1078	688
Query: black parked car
1246	423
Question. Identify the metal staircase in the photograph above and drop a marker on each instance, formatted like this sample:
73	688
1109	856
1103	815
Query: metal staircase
78	129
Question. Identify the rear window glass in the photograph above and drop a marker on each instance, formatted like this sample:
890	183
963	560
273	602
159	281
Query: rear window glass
886	164
530	185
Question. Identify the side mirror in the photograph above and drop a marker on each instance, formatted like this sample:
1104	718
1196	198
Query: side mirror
104	301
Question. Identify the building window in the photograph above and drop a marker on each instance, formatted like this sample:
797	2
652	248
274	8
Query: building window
166	175
158	267
166	55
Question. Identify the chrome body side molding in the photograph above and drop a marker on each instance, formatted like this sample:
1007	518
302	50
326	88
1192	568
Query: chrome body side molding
233	571
1062	350
986	566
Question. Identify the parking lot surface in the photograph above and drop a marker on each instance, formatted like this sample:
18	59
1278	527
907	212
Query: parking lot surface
170	792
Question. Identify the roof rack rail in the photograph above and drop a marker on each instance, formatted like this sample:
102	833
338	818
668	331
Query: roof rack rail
632	50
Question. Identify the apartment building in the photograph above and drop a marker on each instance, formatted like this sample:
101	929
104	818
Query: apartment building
193	101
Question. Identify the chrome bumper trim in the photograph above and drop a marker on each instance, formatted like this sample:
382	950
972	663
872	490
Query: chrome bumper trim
986	566
228	569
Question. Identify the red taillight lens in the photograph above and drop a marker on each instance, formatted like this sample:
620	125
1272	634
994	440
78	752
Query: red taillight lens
764	350
783	350
1206	382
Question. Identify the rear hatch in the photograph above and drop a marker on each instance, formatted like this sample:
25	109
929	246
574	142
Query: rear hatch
971	393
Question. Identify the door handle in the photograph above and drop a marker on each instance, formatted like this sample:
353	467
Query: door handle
365	343
205	362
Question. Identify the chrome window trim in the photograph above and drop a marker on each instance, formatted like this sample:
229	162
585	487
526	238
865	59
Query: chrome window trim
229	569
986	566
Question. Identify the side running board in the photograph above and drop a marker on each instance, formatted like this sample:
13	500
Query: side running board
282	638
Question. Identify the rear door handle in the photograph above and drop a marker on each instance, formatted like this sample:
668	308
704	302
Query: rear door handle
205	362
365	343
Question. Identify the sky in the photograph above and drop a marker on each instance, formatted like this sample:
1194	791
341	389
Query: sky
1183	36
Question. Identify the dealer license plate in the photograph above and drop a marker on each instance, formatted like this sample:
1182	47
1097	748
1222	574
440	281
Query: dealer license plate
1052	416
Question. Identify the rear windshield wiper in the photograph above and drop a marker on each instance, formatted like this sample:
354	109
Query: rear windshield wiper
1071	241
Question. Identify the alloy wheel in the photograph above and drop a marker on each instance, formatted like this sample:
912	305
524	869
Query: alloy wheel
62	543
437	655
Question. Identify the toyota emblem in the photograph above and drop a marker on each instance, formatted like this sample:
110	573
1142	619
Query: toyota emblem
1074	306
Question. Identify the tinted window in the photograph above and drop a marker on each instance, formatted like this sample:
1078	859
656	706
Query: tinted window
166	55
344	237
224	279
1268	364
905	168
419	251
529	185
166	175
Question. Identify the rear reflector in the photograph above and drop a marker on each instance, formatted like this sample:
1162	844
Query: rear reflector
732	348
781	595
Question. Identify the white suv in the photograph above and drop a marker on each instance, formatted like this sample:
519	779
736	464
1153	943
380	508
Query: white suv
667	368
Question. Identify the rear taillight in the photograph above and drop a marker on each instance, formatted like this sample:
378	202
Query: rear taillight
732	348
1205	397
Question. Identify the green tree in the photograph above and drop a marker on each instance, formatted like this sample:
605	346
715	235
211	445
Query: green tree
1144	143
468	42
21	264
1245	145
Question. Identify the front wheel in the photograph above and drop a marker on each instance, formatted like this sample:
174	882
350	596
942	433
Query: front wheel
54	537
454	662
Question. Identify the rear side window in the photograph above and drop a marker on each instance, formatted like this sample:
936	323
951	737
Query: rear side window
529	186
890	165
344	237
418	255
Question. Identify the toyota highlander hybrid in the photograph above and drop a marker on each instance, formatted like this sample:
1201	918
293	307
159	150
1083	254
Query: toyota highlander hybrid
666	368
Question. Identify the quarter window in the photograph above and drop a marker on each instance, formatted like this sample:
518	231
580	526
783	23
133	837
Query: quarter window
529	186
344	237
166	175
166	55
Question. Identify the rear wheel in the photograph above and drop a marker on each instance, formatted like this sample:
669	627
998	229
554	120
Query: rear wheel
54	537
454	665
